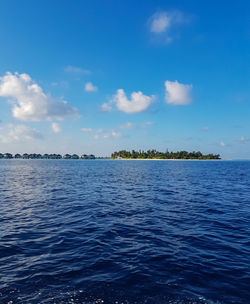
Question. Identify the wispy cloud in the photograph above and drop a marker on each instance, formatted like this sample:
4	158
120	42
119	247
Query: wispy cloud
128	125
89	87
106	107
138	102
243	139
18	133
100	134
132	125
29	102
112	134
222	144
160	22
148	123
177	93
56	128
64	84
206	128
76	70
163	23
86	130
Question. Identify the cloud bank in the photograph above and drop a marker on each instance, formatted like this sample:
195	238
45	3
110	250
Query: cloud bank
29	102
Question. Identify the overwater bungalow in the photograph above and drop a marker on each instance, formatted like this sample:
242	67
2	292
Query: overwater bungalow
52	156
45	156
55	156
32	156
84	156
8	155
67	156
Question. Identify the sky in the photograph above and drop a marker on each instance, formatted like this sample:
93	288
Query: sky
102	76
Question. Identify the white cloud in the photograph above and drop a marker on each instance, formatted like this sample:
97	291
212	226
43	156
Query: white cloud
89	130
177	93
128	125
96	133
29	102
164	23
131	126
112	134
76	70
137	103
106	107
85	130
222	144
115	134
99	133
89	87
18	133
56	128
160	22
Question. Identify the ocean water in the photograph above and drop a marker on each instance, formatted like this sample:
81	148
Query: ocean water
110	231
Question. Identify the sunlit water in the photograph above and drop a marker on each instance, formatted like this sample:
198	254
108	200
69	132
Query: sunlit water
108	231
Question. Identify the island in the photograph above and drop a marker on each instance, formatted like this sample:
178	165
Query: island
153	154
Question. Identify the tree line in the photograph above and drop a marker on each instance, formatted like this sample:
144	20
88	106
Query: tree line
153	154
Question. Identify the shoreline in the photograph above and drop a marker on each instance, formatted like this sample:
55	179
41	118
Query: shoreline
169	159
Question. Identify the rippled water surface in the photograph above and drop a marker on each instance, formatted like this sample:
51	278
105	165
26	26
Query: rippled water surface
117	232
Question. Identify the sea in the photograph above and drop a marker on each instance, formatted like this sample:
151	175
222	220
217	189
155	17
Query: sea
124	232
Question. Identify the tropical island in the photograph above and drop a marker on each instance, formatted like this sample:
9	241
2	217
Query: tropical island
153	154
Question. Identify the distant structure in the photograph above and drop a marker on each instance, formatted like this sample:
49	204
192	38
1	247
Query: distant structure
84	156
45	156
67	156
8	155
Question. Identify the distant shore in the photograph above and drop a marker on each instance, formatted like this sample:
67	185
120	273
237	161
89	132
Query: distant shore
168	155
171	159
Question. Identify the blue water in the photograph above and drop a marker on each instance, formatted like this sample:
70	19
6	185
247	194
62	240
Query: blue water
117	232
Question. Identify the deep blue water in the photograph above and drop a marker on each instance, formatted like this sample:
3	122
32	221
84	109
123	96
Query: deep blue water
124	231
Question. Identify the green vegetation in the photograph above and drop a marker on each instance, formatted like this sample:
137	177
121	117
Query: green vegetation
153	154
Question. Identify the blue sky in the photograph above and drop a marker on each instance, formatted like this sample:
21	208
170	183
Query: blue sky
99	76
